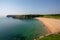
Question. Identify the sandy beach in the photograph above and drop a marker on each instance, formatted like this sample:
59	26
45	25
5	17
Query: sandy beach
51	25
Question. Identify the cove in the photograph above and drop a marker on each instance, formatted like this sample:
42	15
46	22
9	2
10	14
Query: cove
18	29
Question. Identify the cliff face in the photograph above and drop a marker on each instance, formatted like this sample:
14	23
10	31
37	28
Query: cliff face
23	16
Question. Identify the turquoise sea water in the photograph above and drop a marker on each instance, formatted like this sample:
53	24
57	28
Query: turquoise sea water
20	29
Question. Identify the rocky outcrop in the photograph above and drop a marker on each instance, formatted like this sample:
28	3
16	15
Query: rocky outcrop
23	16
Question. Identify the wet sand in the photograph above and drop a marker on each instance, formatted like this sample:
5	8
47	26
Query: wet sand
51	25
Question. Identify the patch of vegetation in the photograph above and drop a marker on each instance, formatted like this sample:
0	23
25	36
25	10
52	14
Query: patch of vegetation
50	37
57	16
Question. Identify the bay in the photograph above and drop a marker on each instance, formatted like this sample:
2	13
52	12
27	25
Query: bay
20	29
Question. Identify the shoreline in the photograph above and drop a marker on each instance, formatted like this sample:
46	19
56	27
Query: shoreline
48	26
45	27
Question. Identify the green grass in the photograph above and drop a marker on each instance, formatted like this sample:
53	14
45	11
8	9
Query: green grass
51	37
56	16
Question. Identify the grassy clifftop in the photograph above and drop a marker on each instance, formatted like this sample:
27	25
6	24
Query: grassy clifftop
57	16
50	37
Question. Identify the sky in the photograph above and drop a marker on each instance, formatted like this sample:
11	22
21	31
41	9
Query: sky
19	7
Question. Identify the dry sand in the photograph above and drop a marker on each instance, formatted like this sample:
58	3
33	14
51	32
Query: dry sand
51	25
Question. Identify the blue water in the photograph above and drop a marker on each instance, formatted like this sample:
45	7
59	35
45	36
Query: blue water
20	29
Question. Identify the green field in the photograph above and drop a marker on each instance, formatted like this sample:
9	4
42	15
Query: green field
50	37
57	16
